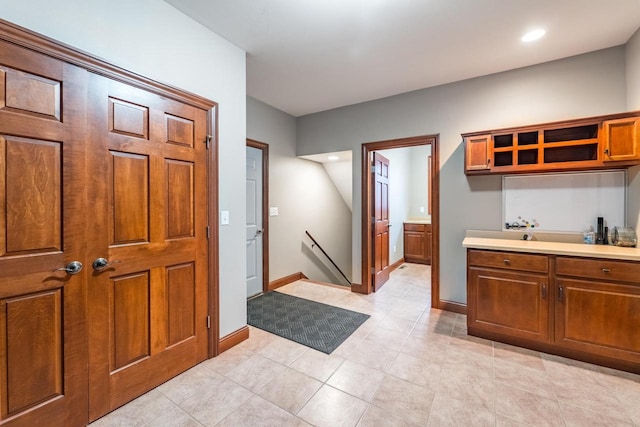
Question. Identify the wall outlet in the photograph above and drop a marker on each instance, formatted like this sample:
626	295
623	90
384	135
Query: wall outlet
421	209
394	249
273	211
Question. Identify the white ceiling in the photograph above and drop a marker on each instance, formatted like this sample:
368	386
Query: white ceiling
305	56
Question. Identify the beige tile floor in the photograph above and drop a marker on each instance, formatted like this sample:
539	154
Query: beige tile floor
408	365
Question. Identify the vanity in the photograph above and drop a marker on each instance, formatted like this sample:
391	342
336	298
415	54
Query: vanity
571	299
417	241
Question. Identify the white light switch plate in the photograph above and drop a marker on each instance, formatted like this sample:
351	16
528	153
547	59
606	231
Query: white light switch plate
273	211
224	217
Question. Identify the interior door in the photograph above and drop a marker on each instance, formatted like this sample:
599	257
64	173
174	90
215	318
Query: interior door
254	222
43	375
380	209
148	210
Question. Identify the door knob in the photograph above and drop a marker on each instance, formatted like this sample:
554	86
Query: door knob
258	232
74	267
100	264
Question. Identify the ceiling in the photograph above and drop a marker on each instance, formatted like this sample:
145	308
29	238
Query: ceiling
305	56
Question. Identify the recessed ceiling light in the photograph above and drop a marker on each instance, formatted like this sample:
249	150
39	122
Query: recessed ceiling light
332	158
533	35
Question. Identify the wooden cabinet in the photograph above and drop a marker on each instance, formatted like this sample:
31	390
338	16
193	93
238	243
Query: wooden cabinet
592	143
417	243
510	297
621	139
597	308
477	152
583	308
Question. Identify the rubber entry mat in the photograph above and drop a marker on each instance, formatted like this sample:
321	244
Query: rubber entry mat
316	325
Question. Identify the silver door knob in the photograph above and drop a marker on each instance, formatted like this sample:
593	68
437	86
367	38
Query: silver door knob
100	264
258	232
74	267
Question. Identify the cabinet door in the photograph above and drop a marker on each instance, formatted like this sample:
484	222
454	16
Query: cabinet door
621	139
509	303
414	246
598	317
477	152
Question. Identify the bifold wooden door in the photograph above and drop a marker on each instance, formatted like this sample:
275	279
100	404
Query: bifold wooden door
148	241
43	351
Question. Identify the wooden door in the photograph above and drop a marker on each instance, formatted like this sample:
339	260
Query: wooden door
43	375
380	211
254	222
148	208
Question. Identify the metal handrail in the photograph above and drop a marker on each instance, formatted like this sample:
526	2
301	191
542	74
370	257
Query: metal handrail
328	257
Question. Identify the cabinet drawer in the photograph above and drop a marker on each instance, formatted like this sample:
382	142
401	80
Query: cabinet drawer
599	269
509	260
414	227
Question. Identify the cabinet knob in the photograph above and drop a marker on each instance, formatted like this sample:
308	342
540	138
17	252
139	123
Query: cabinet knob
606	151
606	270
507	262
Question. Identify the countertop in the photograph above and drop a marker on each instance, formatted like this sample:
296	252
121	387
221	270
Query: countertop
554	248
416	220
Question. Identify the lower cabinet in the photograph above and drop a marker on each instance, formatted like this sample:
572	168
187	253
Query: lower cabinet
587	309
417	243
511	303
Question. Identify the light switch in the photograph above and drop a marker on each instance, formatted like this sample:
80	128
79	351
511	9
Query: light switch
421	209
273	211
224	217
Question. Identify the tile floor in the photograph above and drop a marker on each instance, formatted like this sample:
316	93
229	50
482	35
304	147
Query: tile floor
408	365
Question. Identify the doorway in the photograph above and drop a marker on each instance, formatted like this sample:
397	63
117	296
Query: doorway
257	224
434	186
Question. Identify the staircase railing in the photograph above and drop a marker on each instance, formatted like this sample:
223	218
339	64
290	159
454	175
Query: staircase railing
315	243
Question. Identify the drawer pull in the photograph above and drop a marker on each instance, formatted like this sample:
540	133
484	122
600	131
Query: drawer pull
606	270
544	291
507	262
560	293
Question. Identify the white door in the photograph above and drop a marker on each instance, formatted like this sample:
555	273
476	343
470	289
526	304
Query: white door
254	221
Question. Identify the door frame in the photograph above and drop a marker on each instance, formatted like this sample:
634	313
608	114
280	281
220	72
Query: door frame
265	209
434	184
214	235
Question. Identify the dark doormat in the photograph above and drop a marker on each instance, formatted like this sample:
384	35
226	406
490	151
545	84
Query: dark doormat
316	325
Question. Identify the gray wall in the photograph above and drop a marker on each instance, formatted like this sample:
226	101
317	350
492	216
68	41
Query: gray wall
152	38
419	183
632	50
580	86
306	199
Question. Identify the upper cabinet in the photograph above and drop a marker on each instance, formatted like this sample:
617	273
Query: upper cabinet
621	139
593	143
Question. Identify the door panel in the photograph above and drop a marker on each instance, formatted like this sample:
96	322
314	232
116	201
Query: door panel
254	222
43	357
148	308
380	210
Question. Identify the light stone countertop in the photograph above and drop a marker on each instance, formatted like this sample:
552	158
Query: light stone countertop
416	220
554	248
